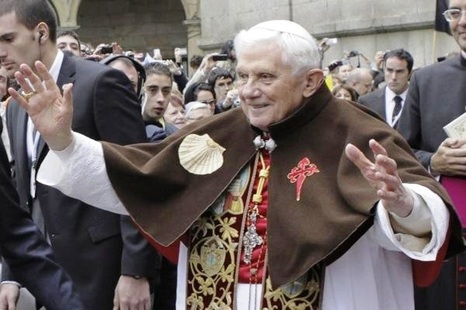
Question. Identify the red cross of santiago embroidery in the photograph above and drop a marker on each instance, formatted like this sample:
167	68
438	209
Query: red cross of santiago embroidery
298	174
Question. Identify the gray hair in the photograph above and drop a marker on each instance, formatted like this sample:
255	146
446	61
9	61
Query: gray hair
195	105
299	48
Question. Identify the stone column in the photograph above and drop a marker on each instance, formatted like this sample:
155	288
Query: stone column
194	36
193	25
67	11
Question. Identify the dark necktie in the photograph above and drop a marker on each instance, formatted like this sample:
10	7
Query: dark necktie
397	108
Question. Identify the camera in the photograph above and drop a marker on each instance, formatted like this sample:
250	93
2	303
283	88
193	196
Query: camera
353	54
331	41
107	49
181	51
332	66
219	57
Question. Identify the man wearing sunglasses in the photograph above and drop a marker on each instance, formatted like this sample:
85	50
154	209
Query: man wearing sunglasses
436	96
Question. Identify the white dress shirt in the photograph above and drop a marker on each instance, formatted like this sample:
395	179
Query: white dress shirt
390	105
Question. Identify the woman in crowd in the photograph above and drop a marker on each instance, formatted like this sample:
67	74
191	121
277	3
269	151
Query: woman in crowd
343	91
175	111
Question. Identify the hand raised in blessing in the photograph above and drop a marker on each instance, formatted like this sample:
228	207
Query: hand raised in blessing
50	111
382	174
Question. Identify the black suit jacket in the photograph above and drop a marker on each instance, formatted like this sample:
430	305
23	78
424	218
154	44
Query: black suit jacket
26	251
436	96
375	100
94	246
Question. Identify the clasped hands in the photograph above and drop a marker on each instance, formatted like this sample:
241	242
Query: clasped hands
450	158
52	115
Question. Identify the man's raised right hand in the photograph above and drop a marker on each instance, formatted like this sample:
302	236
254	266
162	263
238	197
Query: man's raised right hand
50	111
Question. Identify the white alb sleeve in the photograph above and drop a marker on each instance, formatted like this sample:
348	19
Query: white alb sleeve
429	210
79	172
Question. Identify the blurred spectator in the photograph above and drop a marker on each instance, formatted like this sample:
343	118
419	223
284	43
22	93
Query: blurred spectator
179	76
377	69
104	50
229	64
69	41
202	92
343	91
131	68
207	64
331	74
231	101
195	62
343	72
175	112
222	82
360	79
87	49
196	111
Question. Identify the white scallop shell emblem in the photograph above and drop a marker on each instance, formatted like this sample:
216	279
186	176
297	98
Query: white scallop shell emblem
200	154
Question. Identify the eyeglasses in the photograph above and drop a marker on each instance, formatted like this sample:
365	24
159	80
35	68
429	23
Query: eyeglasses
453	15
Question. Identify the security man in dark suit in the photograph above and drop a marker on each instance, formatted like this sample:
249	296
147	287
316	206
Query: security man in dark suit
26	251
388	101
105	255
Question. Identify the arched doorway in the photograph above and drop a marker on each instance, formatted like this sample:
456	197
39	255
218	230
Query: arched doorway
135	24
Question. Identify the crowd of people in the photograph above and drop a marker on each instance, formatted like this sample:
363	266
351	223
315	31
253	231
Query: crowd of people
259	181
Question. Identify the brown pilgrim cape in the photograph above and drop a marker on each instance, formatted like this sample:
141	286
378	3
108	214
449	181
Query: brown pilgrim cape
336	205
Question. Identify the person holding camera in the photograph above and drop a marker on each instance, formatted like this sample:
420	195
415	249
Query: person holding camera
222	82
208	63
229	63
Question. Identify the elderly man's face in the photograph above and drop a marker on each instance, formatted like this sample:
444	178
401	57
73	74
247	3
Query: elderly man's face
268	91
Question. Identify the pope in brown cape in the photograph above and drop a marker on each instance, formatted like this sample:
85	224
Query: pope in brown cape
297	200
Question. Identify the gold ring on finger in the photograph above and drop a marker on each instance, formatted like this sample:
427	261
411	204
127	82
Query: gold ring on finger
28	96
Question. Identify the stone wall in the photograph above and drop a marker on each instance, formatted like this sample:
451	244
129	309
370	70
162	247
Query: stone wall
139	24
363	25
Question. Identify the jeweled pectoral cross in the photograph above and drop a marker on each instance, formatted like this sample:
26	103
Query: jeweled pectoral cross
251	238
298	174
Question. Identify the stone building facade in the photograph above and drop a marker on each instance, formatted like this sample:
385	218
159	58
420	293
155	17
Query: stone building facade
204	25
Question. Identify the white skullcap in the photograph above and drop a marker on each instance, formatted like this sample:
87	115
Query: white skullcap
284	26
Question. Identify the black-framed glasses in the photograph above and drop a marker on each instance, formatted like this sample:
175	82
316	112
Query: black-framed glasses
453	15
